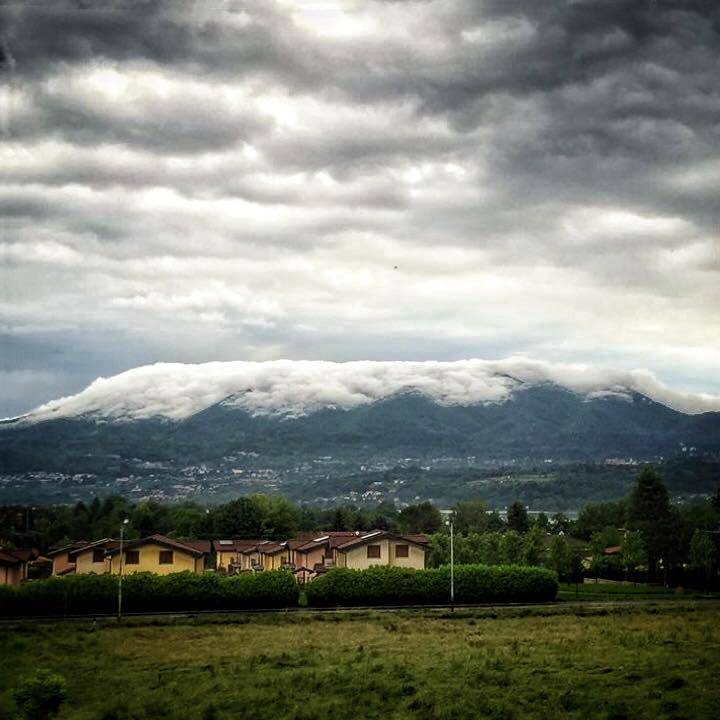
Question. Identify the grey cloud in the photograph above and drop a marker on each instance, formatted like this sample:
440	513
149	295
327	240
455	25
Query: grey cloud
541	173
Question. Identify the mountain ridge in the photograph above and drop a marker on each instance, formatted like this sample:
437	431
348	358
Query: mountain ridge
294	388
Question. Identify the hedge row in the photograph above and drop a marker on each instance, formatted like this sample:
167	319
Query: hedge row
405	586
146	592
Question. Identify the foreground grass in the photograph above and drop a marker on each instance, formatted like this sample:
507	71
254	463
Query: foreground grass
656	662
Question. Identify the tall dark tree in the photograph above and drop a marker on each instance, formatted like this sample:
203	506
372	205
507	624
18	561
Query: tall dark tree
517	518
421	518
241	518
649	512
495	523
471	516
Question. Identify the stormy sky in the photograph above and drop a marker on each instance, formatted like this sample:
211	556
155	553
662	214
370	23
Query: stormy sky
195	181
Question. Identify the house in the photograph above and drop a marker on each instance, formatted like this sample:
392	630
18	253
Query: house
273	555
14	565
230	554
160	555
311	557
381	547
92	557
63	563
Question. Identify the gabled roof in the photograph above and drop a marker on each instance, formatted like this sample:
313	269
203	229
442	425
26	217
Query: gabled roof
160	540
67	547
380	535
23	554
332	539
271	548
8	559
202	545
105	543
234	545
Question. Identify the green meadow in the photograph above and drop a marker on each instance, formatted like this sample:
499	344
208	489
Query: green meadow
645	661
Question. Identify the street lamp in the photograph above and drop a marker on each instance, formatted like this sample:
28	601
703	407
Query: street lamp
122	560
450	522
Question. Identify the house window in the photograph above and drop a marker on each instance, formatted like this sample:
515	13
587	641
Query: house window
98	555
166	557
402	551
70	558
373	551
132	557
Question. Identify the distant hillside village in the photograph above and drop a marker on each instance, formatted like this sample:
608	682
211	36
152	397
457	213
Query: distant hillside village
305	556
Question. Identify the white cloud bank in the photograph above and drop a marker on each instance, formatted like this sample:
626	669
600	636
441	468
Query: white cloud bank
285	387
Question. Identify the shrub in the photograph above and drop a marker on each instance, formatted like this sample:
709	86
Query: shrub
405	586
41	695
145	592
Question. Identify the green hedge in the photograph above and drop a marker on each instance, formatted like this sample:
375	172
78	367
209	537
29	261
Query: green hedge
145	592
405	586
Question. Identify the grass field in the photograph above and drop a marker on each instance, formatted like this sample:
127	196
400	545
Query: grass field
637	662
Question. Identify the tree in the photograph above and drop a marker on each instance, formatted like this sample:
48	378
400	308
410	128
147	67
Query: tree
438	550
600	563
242	518
511	547
517	518
715	502
560	523
533	546
702	553
495	523
471	516
281	517
421	518
649	512
634	551
595	517
542	521
560	557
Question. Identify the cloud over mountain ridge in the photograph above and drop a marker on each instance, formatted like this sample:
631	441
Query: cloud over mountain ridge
176	391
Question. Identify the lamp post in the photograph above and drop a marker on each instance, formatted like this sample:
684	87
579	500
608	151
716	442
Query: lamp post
122	561
450	522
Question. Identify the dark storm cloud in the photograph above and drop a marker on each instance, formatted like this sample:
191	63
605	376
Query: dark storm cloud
407	179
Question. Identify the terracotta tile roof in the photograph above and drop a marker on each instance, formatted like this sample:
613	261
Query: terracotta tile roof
271	548
235	545
9	560
57	550
332	538
204	546
159	540
105	543
380	535
24	554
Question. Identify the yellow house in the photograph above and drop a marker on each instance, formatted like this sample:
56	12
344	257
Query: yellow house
92	557
381	547
310	557
63	562
273	555
160	555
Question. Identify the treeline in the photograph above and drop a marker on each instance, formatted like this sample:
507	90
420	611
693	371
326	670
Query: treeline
647	531
251	516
